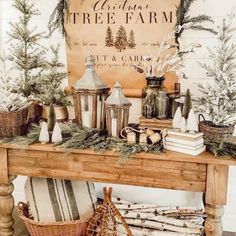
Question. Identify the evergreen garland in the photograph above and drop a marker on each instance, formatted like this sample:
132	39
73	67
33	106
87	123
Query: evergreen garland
59	17
221	148
26	52
185	21
77	137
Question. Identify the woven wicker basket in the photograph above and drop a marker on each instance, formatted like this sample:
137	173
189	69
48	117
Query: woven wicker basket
212	132
13	123
68	228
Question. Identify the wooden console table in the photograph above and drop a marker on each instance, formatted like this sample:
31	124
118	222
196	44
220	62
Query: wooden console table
169	170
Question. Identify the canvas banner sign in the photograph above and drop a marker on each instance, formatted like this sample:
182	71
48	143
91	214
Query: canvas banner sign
118	33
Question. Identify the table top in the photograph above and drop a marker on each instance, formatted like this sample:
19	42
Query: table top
203	158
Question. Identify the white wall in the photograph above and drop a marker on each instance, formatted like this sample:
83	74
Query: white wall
216	9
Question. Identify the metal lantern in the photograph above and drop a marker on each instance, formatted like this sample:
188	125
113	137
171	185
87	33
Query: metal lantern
90	94
117	111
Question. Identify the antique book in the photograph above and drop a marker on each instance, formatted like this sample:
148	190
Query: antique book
186	151
184	146
184	136
185	142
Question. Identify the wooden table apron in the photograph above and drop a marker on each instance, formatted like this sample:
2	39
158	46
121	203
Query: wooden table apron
169	170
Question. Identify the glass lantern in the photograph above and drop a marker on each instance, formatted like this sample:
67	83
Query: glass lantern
90	94
117	111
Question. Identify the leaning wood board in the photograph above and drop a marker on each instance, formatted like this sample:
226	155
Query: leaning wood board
169	170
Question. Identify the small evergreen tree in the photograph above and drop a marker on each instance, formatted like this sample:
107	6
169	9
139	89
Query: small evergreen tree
187	104
121	39
109	38
50	86
177	119
219	100
26	52
131	41
44	134
56	134
51	118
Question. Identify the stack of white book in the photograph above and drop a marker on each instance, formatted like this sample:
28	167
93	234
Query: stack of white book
192	144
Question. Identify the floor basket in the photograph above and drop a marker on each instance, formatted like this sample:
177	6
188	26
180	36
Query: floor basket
68	228
213	132
13	123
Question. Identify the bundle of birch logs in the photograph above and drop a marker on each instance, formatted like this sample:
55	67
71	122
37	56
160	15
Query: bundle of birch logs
152	220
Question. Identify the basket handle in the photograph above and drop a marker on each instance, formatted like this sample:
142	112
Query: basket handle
23	209
201	116
28	116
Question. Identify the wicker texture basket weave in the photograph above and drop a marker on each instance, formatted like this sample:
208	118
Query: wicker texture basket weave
13	123
67	228
213	132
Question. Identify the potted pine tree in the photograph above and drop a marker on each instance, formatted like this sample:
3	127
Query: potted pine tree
50	87
13	106
27	53
218	99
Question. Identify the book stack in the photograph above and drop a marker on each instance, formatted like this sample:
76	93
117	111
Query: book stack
192	144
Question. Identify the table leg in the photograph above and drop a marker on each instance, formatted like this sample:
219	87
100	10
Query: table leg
213	223
6	209
215	198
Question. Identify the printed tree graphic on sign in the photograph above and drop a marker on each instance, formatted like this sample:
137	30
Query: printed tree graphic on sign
109	38
121	39
131	41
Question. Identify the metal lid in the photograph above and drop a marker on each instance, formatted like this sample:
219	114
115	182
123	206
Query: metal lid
90	79
117	96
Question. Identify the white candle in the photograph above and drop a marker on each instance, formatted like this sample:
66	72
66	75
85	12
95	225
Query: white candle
86	119
99	113
114	127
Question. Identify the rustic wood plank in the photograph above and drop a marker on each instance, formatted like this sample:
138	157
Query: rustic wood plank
204	158
144	171
32	158
4	179
123	178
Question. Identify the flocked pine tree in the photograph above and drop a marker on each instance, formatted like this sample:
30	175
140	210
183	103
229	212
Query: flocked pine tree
56	134
44	134
177	119
187	104
26	52
192	124
219	100
183	125
9	101
50	86
121	39
131	40
109	41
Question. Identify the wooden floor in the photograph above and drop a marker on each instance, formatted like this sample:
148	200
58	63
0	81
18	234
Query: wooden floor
20	230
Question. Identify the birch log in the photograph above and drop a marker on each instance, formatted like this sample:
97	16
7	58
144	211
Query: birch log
161	219
161	226
150	232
